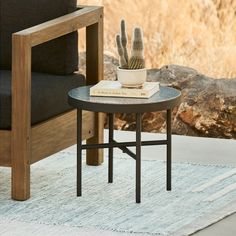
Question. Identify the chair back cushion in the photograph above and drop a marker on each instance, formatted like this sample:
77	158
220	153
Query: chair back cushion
58	56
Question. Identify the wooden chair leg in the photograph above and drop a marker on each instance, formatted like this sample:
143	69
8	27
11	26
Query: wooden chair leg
21	183
20	162
21	116
95	156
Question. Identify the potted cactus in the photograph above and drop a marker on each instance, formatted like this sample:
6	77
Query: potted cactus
132	71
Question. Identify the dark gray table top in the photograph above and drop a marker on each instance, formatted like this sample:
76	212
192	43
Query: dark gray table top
165	99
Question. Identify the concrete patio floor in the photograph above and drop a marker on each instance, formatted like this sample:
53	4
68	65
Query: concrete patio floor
185	149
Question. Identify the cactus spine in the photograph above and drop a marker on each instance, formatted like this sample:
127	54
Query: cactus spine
136	60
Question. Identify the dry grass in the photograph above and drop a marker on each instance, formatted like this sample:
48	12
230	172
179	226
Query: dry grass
197	33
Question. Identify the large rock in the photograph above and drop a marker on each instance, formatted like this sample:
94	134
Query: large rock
208	106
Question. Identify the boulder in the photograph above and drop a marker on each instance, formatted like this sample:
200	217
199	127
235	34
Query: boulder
208	106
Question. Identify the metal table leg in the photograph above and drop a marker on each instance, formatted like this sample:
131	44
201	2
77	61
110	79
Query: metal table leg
79	152
138	157
168	161
110	152
112	143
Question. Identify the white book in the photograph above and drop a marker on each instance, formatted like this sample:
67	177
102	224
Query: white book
108	88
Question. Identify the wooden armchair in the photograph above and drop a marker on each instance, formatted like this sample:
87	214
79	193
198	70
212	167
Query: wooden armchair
27	142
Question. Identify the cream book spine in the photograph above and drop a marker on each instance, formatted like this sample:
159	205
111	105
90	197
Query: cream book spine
113	89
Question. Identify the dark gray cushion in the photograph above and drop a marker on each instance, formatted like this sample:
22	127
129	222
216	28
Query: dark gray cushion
49	96
59	56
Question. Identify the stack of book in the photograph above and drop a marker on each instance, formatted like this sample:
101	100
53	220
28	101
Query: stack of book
108	88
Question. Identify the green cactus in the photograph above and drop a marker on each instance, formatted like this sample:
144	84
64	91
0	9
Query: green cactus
124	40
123	63
137	58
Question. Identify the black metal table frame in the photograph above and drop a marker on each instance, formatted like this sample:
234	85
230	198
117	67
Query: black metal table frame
124	147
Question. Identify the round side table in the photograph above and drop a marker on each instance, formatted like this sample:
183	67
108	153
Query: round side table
165	99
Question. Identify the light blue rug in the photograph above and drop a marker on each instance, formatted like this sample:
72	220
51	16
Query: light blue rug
201	195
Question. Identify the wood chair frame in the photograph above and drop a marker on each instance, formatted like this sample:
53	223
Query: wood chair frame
24	144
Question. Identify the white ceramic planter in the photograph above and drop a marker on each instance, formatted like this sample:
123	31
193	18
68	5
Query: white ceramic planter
131	78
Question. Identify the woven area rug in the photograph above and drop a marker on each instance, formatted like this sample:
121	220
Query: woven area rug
201	195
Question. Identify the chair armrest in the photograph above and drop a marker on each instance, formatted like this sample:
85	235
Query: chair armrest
83	17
